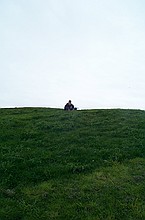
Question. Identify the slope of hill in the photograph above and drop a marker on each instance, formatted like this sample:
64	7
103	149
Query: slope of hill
79	165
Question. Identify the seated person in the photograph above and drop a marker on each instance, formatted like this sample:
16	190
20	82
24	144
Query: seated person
69	106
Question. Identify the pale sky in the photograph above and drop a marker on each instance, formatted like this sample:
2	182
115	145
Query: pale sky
89	51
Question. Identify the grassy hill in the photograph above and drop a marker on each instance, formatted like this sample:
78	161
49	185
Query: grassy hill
79	165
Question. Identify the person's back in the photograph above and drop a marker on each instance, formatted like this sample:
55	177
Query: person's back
69	106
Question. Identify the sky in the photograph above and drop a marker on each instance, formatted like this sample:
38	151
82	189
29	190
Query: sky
89	51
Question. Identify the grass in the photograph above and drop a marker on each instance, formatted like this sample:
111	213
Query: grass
79	165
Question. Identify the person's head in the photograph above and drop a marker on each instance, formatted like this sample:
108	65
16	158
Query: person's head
69	102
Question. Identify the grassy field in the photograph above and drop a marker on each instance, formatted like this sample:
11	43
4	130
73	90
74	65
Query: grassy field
79	165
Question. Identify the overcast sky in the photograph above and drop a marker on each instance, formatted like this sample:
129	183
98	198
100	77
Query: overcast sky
89	51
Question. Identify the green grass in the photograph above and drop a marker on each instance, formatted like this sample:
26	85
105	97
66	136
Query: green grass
79	165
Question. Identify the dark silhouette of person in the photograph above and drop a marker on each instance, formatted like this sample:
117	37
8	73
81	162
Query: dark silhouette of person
69	106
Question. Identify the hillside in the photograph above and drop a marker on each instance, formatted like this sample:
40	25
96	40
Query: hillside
79	165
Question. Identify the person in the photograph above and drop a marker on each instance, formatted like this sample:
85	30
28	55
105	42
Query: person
69	106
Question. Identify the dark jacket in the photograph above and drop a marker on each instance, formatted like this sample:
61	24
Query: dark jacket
69	107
